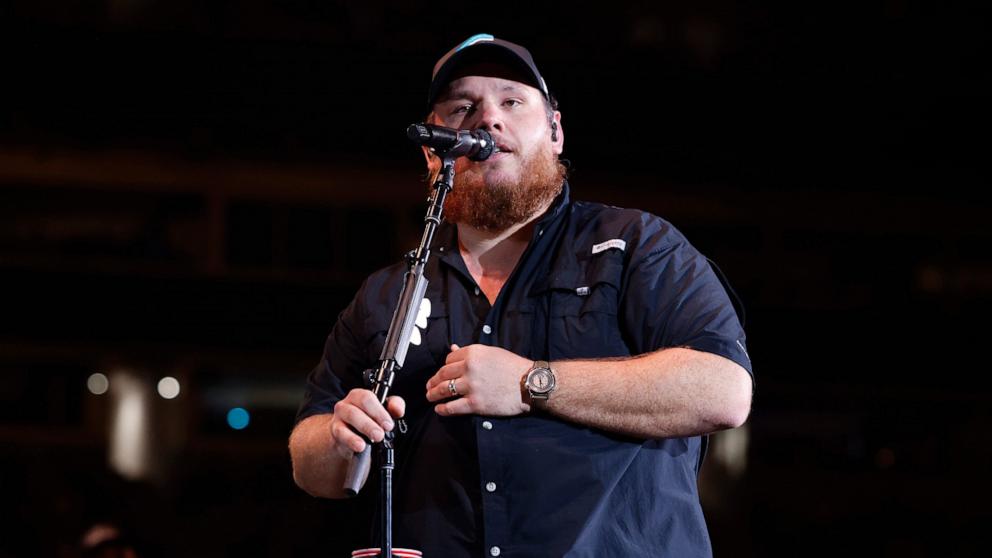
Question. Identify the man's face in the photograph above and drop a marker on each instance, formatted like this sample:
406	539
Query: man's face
513	112
524	176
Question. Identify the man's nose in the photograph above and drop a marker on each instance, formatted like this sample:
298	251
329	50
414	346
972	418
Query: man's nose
489	118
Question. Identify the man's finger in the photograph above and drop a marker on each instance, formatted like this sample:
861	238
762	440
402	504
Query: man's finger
460	406
396	406
447	372
346	439
442	390
367	401
361	422
455	355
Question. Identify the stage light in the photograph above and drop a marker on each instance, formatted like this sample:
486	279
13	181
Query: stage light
238	418
97	383
168	387
130	446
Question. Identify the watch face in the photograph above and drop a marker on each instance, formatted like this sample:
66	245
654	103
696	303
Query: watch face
541	380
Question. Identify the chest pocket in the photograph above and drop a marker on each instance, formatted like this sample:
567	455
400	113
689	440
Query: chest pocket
581	303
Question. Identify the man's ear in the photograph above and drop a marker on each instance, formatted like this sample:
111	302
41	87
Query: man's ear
557	134
432	160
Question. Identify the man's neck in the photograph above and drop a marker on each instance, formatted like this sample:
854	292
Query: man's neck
491	256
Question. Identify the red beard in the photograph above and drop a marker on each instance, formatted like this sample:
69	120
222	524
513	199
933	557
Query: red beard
498	206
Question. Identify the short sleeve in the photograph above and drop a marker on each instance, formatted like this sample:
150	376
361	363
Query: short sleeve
673	298
340	368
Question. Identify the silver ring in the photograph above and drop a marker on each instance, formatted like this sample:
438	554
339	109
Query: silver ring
452	388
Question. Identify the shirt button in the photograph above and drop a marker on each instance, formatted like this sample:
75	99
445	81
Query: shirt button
490	487
494	551
477	291
486	329
486	425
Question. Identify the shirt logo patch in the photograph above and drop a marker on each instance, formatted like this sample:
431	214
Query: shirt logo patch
612	243
421	323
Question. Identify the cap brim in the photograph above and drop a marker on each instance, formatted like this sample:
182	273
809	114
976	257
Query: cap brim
483	53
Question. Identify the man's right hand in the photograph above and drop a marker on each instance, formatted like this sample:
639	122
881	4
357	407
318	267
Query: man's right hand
360	411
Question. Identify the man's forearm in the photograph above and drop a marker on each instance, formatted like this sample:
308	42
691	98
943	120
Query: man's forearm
317	468
669	393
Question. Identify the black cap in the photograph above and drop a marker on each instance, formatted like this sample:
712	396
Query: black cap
485	48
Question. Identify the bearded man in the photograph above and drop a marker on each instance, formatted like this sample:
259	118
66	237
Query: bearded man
575	357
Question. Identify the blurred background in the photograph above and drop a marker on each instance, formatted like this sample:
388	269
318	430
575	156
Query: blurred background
190	192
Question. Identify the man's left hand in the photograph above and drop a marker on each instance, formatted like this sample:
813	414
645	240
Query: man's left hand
480	380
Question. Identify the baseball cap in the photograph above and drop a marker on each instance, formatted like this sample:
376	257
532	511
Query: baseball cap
485	48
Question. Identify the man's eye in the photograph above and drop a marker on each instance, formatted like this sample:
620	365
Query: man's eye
462	109
512	102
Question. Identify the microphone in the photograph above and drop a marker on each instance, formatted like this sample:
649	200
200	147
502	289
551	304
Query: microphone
449	143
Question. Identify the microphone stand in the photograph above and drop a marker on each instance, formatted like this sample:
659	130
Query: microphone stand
393	355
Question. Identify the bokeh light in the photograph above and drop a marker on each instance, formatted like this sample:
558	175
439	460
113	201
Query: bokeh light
97	383
168	387
238	418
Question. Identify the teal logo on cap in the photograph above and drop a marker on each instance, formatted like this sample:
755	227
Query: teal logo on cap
475	39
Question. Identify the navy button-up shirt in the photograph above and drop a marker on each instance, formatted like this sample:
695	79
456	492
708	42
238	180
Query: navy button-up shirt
595	281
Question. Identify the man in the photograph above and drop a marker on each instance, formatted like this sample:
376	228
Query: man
574	355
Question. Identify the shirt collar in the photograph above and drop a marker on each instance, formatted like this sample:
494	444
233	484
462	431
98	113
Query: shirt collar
555	210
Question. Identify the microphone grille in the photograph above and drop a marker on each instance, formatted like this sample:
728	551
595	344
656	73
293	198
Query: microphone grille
486	145
419	133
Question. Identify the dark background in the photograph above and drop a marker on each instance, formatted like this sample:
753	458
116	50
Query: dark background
196	189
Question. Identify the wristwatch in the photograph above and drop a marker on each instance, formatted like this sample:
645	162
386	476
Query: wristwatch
540	380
